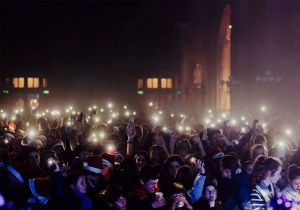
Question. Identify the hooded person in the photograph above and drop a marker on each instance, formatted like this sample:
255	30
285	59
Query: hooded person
57	147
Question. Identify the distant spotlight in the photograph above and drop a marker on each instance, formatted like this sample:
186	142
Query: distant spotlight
150	104
101	110
172	115
125	107
70	108
288	131
224	115
263	108
207	121
134	113
243	118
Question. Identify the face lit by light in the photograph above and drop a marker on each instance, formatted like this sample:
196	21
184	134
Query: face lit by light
288	132
172	115
150	104
125	107
263	108
67	110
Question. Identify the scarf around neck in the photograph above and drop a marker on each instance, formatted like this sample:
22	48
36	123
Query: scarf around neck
86	202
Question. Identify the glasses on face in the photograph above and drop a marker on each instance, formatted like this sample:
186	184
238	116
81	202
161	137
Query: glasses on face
208	192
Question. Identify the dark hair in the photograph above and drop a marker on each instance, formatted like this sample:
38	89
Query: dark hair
113	193
171	159
256	146
148	172
182	142
4	156
185	177
259	139
209	184
245	164
121	147
210	170
162	174
174	188
230	162
72	178
145	154
123	179
30	150
260	169
294	172
162	156
211	131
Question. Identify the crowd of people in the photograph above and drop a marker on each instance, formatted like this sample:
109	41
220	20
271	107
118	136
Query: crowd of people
140	163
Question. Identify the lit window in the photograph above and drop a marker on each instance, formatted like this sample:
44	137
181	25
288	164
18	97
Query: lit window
163	82
169	83
35	82
44	82
30	82
149	83
152	83
16	82
140	83
21	82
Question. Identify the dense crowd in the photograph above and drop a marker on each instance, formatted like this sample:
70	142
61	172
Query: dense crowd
145	163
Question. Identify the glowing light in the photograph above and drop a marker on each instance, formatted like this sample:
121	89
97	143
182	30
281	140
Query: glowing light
101	110
110	147
207	121
264	125
263	108
31	133
159	112
288	132
109	121
70	108
6	141
230	26
243	118
37	115
233	121
181	115
155	118
43	114
125	107
224	115
46	110
243	129
73	112
13	118
281	143
69	123
21	110
150	104
4	115
247	123
90	108
95	139
89	117
17	111
1	110
212	125
209	111
219	120
101	135
187	128
67	110
33	107
172	115
114	115
97	120
110	105
110	110
95	107
287	204
134	113
27	124
180	128
127	113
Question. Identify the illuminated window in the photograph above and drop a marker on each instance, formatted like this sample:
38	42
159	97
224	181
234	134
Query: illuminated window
152	83
140	83
16	82
44	82
35	82
21	82
163	82
30	82
169	83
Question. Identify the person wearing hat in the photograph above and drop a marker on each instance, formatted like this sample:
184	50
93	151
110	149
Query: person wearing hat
108	167
93	168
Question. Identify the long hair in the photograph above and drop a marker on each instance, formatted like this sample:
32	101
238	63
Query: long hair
185	177
294	172
256	146
260	169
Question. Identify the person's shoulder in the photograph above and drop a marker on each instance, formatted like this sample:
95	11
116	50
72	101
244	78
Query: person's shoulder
243	177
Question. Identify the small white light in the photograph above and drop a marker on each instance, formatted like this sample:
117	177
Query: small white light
164	128
101	135
150	104
95	107
101	110
243	118
281	143
212	125
73	112
95	139
247	123
27	124
17	111
6	141
97	120
43	114
13	118
114	115
89	117
31	133
172	115
127	113
180	128
288	131
4	115
90	109
110	110
264	125
224	115
1	110
219	120
37	114
243	129
233	121
134	113
263	108
155	118
110	147
67	110
71	108
78	112
47	110
181	115
187	128
110	105
230	26
159	112
21	110
207	121
125	107
209	111
94	135
33	107
69	123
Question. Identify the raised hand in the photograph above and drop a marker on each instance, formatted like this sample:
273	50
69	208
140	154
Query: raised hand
131	132
175	134
254	124
201	128
200	165
196	138
159	141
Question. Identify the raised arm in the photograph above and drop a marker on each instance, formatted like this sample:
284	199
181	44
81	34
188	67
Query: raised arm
131	134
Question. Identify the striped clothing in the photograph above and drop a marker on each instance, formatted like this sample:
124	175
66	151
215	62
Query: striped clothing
261	196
